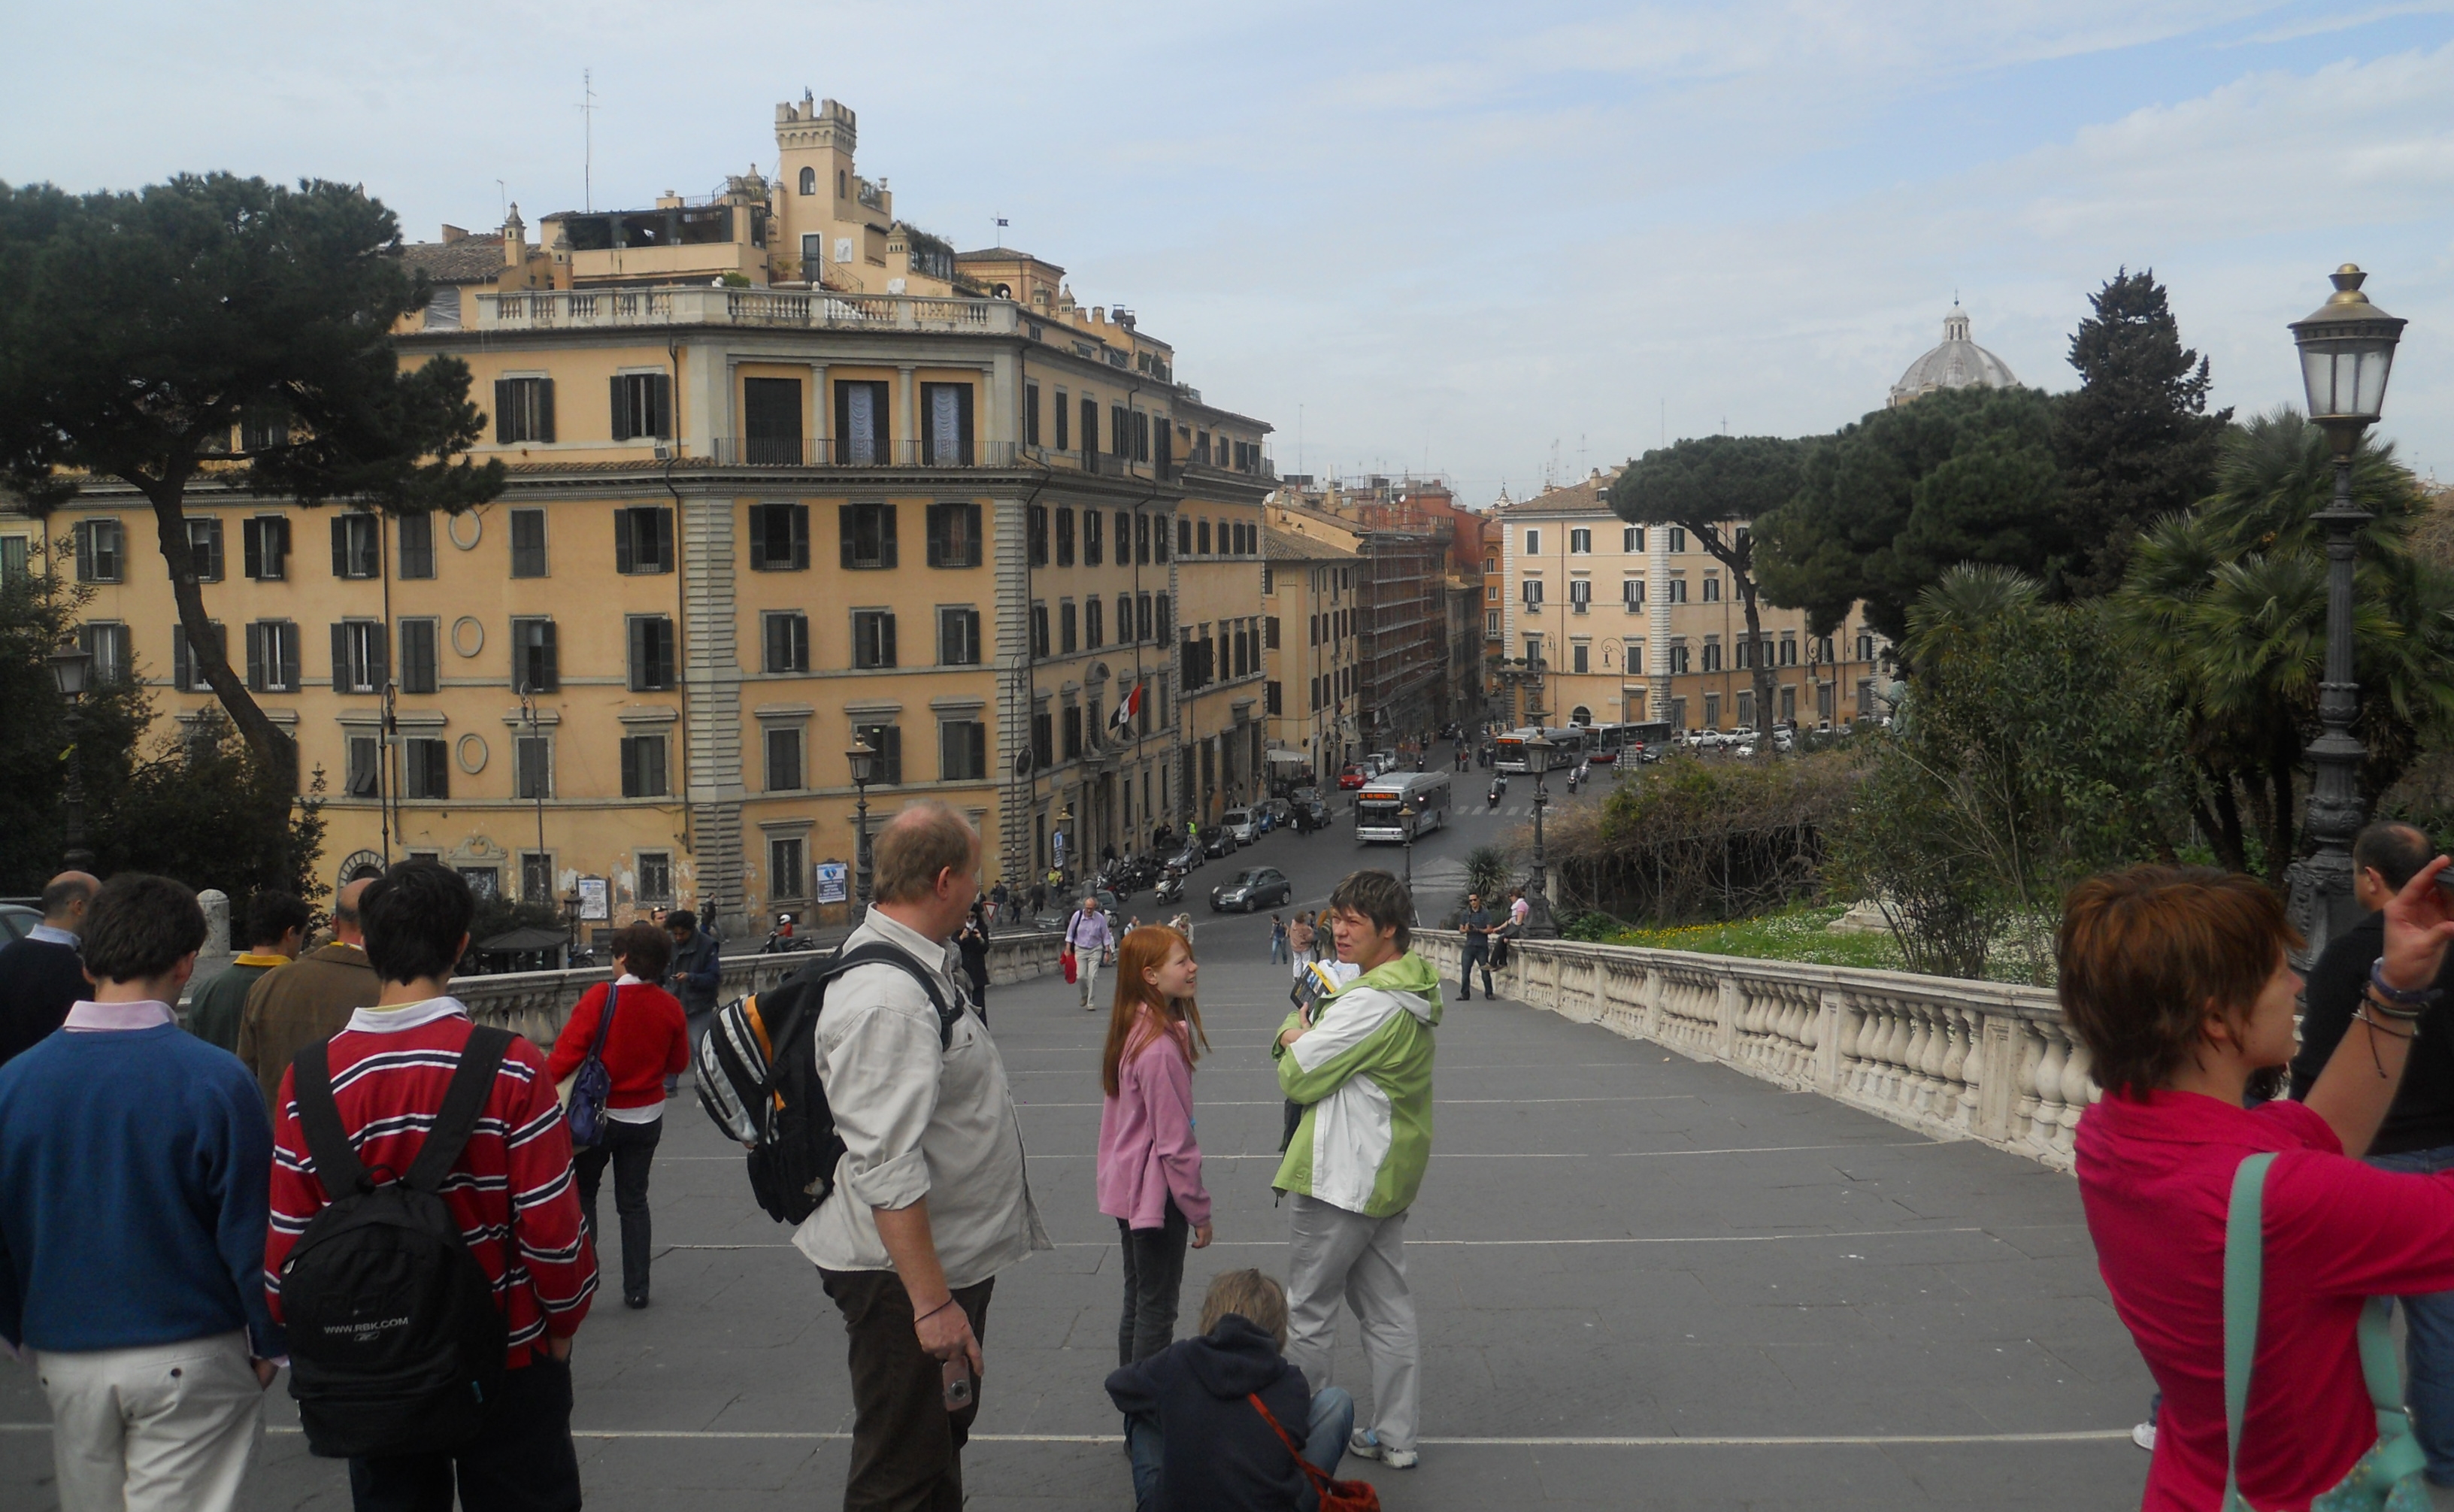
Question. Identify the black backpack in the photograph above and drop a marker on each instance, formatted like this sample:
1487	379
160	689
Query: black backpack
757	1076
396	1342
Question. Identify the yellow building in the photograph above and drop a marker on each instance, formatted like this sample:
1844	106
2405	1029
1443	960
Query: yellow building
1309	592
1637	623
785	472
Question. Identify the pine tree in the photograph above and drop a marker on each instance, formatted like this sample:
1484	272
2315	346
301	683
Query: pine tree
2135	442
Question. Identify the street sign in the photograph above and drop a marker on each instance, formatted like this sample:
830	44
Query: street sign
595	899
833	881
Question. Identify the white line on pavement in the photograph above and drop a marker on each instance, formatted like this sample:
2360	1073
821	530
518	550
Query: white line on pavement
1559	1442
1501	1243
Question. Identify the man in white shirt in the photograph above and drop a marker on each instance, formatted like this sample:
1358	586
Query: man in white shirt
1088	937
930	1200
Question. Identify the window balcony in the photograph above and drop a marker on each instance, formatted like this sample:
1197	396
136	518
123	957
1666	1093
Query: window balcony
733	451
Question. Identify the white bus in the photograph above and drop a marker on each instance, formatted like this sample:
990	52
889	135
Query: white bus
1377	806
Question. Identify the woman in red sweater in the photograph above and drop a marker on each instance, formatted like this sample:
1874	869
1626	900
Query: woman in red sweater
649	1042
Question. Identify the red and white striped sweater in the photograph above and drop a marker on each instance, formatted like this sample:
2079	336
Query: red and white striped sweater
511	1189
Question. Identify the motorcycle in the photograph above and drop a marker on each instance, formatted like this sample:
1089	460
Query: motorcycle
1171	887
1576	777
1498	789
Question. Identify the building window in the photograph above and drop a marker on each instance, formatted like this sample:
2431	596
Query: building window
643	766
1712	710
1064	538
1823	649
779	537
867	534
1789	647
1865	648
1491	622
1064	422
533	766
1271	698
1580	657
785	635
1534	593
358	546
426	767
523	411
643	405
784	869
1677	590
535	666
958	636
860	424
364	775
1631	538
358	656
205	547
655	877
962	751
1580	594
1093	538
1067	638
1141	616
1031	415
1202	537
1043	740
528	543
954	535
1711	653
105	641
1072	723
1533	541
1678	658
536	877
1712	588
1089	440
1634	665
784	758
1631	593
643	539
1678	538
265	542
771	422
1124	619
1120	432
272	656
946	424
873	638
887	740
1580	543
1162	620
1040	629
652	667
1746	708
417	545
186	674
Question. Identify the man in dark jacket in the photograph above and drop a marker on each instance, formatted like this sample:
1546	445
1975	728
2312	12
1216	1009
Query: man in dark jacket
276	930
2417	1133
1197	1444
40	977
308	1001
695	969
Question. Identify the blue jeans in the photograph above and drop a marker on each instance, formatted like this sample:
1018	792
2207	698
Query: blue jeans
1333	1419
2428	1350
1278	949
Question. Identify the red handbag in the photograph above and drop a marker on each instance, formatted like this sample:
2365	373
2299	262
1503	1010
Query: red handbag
1072	970
1335	1496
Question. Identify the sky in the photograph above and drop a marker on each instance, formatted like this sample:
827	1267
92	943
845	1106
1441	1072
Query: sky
1500	243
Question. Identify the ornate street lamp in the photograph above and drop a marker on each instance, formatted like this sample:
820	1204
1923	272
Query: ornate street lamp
1406	822
864	770
71	666
1067	840
1537	882
2346	352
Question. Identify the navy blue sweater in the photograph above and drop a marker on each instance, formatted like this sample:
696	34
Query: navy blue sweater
133	1166
1221	1457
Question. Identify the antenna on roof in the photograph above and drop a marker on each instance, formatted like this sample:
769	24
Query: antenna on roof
1001	234
587	108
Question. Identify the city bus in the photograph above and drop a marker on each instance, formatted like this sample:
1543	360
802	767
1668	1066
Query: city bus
1377	806
1508	753
1604	743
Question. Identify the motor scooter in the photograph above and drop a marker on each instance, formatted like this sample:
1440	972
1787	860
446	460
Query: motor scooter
1498	789
1171	886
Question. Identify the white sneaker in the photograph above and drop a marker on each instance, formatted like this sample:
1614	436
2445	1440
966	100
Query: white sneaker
2144	1437
1365	1444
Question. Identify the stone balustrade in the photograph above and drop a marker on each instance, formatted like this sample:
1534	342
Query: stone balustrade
1948	1057
536	1004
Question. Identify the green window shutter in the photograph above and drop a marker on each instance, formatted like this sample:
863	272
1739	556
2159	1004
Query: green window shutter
340	545
545	409
660	390
502	411
255	658
550	675
625	552
621	411
886	533
340	659
844	531
290	655
885	639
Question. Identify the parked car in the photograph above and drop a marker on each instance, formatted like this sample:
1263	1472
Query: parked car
1184	859
1381	762
1350	777
1244	824
1784	741
1254	887
1219	840
18	922
1303	795
1275	814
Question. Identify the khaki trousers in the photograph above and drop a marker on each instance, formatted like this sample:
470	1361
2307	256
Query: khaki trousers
160	1428
1334	1254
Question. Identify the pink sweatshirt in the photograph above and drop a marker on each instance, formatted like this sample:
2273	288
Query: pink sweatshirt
1147	1151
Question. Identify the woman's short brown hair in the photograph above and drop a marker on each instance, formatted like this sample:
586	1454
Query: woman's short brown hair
1255	1295
2143	953
647	950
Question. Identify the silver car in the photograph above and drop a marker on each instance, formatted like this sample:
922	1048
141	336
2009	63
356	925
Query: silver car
1244	824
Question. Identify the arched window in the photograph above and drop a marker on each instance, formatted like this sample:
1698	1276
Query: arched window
809	181
1580	714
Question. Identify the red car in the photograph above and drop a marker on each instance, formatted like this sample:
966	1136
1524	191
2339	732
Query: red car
1349	776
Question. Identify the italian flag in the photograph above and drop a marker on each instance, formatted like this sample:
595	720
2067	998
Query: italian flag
1131	706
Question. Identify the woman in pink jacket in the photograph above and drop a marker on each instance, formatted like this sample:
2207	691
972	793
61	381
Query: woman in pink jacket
1149	1168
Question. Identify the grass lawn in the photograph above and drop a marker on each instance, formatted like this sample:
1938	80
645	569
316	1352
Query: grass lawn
1796	934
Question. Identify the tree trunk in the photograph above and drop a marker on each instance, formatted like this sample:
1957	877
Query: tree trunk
1741	561
2282	847
211	661
2223	825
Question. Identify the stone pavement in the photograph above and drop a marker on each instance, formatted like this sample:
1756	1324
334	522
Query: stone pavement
1643	1280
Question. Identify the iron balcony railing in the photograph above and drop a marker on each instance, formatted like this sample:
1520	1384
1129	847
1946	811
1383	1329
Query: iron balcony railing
733	451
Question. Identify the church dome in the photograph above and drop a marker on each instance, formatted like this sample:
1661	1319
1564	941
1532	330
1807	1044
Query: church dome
1959	363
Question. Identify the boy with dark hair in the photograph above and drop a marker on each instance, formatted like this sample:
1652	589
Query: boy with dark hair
133	1161
1359	1061
277	927
511	1192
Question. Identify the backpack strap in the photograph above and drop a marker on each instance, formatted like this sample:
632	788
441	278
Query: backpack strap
336	1161
879	953
2244	1262
464	1101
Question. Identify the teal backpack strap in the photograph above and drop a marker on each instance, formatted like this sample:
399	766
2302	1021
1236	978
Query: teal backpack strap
2244	1272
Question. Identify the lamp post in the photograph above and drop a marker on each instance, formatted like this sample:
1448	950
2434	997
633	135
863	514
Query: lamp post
2346	352
72	665
535	778
1538	889
864	768
1406	823
570	920
1066	840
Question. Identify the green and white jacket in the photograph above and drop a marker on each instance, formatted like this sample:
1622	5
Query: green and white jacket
1363	1072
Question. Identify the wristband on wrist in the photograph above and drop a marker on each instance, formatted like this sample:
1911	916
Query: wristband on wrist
2377	1005
2402	996
933	1311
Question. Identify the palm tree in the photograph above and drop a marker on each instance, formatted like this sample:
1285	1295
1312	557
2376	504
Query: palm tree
2235	594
